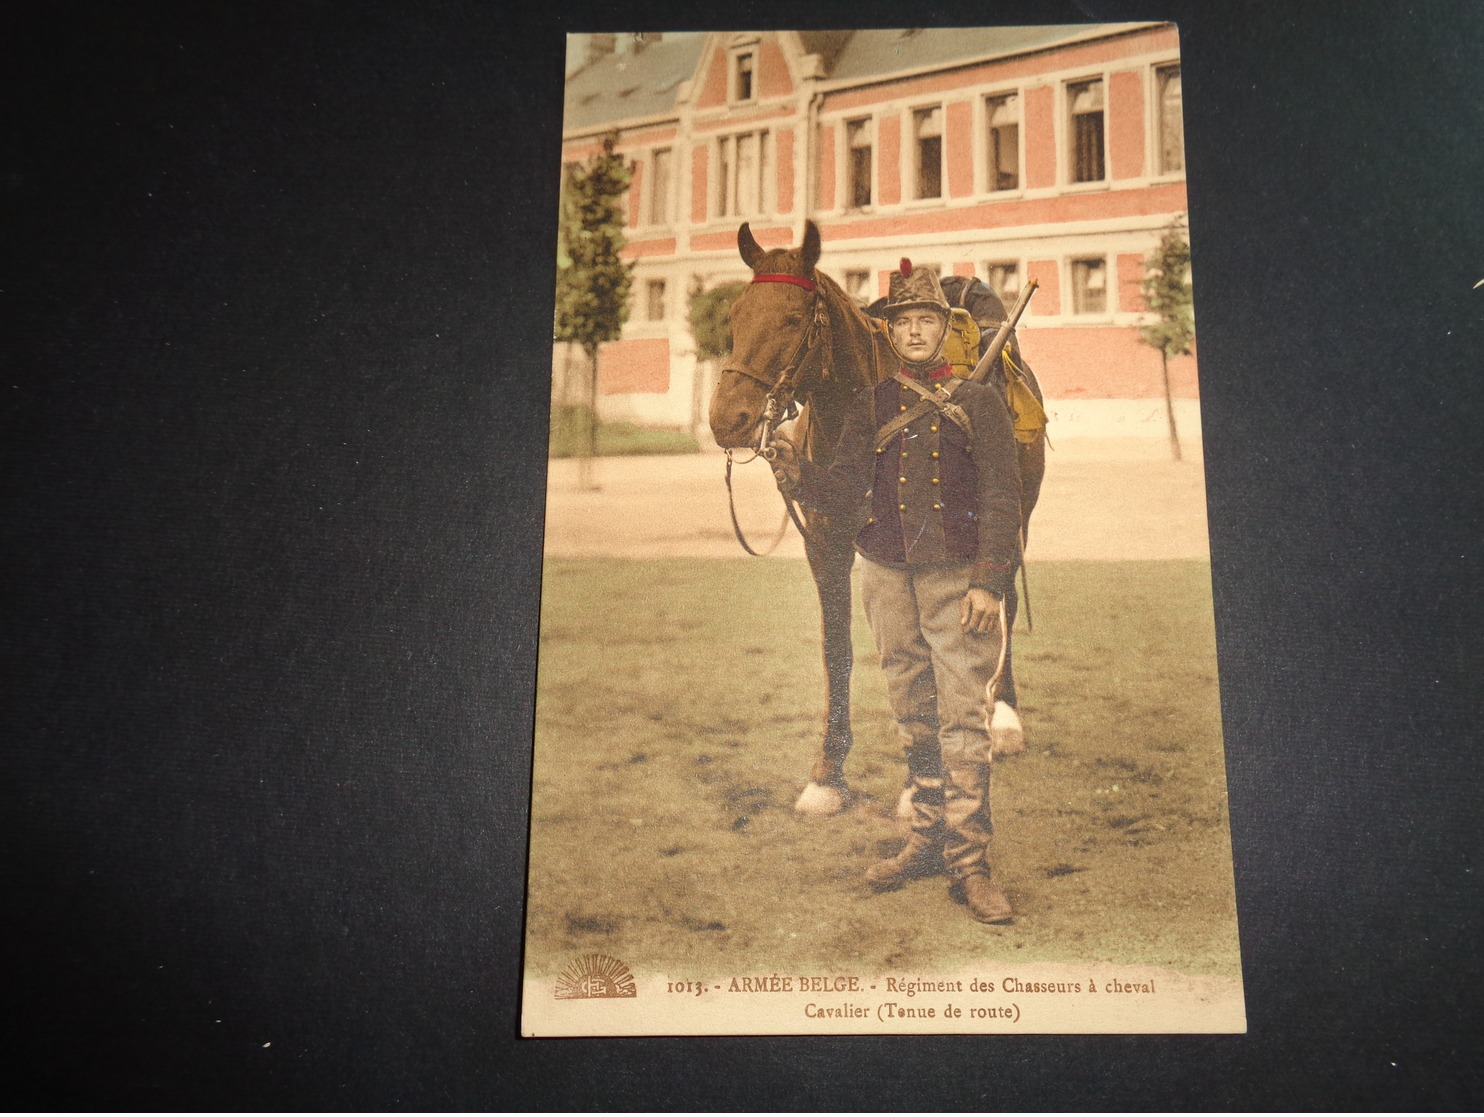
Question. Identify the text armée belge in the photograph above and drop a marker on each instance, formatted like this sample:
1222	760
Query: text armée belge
789	983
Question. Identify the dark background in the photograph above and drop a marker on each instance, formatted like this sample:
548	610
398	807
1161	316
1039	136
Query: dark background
277	292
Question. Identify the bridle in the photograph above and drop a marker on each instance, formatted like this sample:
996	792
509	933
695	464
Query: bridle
781	403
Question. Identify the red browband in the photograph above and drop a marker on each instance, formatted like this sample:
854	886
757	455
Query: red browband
778	277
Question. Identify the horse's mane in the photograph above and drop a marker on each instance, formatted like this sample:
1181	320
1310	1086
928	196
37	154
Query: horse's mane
866	357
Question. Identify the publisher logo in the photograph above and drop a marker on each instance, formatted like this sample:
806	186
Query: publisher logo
595	975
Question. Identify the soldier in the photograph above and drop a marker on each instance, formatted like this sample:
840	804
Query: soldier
930	461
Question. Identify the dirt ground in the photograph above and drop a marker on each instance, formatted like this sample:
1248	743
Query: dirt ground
1102	499
697	866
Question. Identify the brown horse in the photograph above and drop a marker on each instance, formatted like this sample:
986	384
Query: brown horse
799	339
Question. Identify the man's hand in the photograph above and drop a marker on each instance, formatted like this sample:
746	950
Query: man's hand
785	462
980	611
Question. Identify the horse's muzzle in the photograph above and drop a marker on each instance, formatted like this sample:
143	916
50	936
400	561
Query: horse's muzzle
736	411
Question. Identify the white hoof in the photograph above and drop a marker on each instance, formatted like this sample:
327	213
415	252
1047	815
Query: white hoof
1006	734
818	799
904	805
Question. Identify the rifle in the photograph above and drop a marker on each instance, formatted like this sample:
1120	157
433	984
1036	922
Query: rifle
980	373
992	351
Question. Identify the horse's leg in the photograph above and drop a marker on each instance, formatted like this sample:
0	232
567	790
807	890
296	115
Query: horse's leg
1006	733
827	792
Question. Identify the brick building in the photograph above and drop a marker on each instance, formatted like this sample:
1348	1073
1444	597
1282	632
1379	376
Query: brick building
1008	153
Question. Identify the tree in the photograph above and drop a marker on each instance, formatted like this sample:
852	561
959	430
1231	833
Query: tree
710	319
592	295
1168	295
710	324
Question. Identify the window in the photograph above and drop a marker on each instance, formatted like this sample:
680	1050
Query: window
654	300
1004	281
1171	124
742	178
659	188
1003	117
927	131
742	76
1086	101
858	284
859	135
1089	286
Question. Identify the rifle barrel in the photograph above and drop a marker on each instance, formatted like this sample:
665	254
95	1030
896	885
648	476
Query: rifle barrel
981	370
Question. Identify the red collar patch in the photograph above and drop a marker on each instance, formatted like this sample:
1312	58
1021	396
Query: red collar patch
942	372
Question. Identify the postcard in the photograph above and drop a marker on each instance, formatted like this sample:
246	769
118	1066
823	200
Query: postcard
877	687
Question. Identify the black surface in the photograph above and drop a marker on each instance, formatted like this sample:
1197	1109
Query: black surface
278	293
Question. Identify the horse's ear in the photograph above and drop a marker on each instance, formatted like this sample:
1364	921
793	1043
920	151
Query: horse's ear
811	246
751	251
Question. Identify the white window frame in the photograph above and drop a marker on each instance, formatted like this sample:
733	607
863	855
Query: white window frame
1156	123
846	177
649	286
867	291
667	204
735	54
1110	287
1018	263
1068	146
725	203
910	164
982	168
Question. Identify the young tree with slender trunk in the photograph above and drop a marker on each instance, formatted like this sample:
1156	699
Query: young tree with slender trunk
1167	293
593	281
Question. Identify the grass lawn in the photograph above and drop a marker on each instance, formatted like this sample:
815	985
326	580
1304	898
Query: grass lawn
679	707
568	439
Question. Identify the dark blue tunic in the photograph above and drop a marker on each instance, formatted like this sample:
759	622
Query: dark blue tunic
935	495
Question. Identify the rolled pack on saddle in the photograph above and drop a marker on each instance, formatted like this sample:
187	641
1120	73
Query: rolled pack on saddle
975	313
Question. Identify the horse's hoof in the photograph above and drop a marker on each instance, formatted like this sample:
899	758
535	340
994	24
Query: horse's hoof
820	799
904	805
1006	734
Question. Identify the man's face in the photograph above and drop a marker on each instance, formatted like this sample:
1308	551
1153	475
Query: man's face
916	333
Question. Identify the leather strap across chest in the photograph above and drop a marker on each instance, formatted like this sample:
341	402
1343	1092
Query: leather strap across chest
932	400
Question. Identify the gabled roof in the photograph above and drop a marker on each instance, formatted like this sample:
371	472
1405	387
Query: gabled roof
637	84
645	83
826	44
879	54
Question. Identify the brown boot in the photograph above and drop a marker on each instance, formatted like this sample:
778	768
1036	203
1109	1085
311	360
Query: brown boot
922	856
985	899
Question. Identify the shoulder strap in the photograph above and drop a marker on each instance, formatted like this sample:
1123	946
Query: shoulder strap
931	401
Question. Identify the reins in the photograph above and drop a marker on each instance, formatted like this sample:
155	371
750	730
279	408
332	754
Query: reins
781	404
991	688
737	527
789	506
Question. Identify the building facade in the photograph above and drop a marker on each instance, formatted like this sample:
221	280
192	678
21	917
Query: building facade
1053	153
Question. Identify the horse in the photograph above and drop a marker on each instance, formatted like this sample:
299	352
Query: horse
801	345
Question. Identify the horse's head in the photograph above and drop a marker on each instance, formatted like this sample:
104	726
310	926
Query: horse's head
770	321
